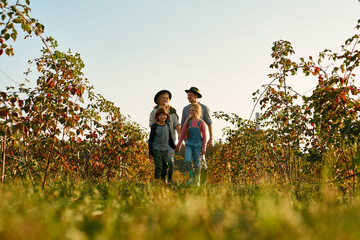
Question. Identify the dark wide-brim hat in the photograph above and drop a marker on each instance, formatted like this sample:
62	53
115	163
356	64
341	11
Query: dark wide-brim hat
161	92
195	91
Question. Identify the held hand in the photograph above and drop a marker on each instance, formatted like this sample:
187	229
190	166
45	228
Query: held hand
202	152
209	143
176	149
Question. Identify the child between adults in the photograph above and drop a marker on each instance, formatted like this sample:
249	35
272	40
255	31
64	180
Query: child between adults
159	140
195	132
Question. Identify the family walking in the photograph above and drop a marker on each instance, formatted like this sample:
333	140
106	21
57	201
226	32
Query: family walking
164	124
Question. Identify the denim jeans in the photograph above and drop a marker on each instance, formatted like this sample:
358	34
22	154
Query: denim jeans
192	152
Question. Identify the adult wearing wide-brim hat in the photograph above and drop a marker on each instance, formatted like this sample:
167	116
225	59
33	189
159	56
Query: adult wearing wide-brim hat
162	99
193	94
195	91
160	93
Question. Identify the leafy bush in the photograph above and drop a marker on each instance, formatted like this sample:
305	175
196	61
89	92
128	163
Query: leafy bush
61	129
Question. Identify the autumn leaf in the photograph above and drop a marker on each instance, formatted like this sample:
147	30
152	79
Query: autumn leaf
50	82
3	112
21	103
73	90
79	131
40	67
3	94
343	97
78	92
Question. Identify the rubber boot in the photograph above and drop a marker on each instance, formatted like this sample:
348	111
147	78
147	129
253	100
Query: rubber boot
191	177
203	177
197	177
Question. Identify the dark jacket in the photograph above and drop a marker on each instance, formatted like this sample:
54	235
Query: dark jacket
152	137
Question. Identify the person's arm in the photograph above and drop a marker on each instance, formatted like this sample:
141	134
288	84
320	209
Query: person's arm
208	121
181	138
210	142
177	128
203	136
171	141
152	118
151	138
177	125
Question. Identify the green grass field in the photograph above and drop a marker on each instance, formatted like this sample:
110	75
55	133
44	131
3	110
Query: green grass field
146	211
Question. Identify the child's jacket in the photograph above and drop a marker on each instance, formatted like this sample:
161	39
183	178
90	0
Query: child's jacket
153	134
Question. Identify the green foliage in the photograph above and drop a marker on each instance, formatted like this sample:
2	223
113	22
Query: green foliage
237	160
12	15
62	129
299	135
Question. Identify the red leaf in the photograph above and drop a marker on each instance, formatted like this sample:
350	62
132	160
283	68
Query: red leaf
73	90
50	82
21	103
321	80
3	112
78	92
343	97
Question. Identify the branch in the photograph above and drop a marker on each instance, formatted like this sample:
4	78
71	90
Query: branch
261	97
38	34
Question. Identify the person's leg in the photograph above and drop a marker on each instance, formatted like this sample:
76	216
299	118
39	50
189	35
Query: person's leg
197	162
189	154
170	164
158	165
164	163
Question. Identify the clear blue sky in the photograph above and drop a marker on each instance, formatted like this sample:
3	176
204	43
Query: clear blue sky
134	48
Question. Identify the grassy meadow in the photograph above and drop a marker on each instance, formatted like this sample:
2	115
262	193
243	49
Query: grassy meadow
126	210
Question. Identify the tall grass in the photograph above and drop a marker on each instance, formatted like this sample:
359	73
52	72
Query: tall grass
147	211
